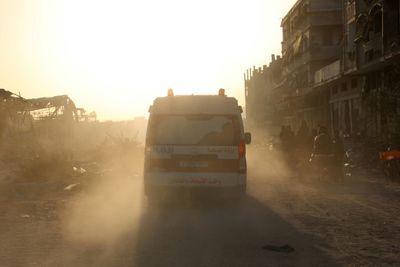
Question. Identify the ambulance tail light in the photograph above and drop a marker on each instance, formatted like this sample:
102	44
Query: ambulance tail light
242	150
242	158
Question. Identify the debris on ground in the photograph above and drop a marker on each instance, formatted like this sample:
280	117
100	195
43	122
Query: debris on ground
70	187
79	170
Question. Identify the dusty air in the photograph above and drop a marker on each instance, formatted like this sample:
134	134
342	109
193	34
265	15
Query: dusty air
161	134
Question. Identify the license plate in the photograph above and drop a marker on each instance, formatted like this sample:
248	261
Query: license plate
193	164
198	181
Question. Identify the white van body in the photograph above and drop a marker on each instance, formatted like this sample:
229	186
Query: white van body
197	144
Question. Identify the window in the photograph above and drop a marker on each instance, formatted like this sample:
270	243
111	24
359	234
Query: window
394	6
327	38
344	87
375	18
334	90
354	83
378	22
213	130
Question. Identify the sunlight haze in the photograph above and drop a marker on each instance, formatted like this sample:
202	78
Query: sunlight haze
115	57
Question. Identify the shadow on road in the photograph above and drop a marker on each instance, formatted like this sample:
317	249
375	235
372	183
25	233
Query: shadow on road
215	234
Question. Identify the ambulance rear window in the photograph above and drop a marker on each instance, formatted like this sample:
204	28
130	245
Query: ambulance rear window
212	130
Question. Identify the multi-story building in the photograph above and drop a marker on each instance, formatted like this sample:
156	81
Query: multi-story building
261	98
377	51
255	80
340	68
339	81
365	83
312	38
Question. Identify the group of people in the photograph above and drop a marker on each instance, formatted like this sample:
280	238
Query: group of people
291	141
305	143
317	141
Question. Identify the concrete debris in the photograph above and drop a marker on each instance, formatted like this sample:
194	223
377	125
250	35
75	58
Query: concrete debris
70	187
79	170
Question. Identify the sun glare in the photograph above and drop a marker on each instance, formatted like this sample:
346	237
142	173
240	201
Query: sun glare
116	56
138	49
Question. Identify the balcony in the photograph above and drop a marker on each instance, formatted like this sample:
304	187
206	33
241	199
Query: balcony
375	43
316	53
328	73
325	19
325	52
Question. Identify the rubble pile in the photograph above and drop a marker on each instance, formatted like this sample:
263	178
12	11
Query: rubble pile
50	137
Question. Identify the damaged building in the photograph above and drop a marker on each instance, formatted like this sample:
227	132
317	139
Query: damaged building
312	34
364	82
13	114
262	90
340	68
19	115
42	129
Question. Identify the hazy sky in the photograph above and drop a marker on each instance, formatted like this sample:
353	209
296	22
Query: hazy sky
116	56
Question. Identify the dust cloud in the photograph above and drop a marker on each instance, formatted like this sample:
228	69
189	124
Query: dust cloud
105	212
109	205
264	157
112	205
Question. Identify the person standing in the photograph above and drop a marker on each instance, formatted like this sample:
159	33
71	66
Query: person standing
302	133
322	142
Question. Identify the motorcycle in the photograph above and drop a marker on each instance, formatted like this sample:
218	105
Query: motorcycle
328	167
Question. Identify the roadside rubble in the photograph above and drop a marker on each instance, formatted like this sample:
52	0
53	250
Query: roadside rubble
51	137
70	187
79	170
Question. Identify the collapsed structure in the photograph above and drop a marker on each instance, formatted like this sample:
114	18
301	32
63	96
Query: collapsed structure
41	133
18	114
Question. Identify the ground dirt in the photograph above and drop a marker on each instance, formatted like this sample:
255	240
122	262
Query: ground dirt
103	220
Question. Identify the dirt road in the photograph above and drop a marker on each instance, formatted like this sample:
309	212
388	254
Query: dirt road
108	223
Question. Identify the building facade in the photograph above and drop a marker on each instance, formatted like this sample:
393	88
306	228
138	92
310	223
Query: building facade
340	67
261	102
364	90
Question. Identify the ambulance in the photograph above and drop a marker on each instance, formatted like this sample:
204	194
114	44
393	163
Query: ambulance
195	144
